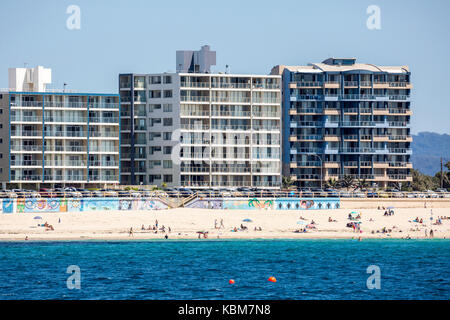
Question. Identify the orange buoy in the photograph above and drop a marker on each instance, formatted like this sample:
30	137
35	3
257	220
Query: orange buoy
231	281
272	279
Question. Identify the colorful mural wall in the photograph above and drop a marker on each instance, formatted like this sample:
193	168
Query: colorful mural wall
32	205
266	203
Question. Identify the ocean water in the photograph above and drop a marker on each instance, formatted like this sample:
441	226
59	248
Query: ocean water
175	269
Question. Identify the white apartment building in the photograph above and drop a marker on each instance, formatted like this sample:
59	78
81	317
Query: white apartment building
201	130
53	138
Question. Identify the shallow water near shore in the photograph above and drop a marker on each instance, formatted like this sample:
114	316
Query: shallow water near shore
181	269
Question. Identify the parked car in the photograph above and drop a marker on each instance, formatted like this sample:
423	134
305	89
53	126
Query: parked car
84	192
332	193
96	194
72	192
431	194
305	193
109	192
185	192
372	194
317	192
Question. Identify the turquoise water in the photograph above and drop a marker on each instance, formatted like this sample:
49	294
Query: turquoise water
304	269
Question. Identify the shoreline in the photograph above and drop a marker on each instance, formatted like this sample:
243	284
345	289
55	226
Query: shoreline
186	224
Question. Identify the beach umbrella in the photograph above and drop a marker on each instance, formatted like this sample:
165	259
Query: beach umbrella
247	220
391	207
37	217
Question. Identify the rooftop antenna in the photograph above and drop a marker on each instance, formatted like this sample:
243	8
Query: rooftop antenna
65	84
226	69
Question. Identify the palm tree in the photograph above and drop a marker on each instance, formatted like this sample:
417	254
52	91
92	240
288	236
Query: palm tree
346	181
331	183
287	182
362	183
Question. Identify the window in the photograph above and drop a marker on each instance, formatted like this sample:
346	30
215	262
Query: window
156	121
153	107
167	164
167	79
168	122
167	93
167	150
1	140
168	178
154	94
154	80
167	107
167	136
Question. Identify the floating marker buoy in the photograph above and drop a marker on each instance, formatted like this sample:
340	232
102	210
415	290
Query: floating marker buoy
231	281
272	279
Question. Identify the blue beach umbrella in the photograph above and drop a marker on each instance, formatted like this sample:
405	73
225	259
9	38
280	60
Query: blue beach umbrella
247	220
37	217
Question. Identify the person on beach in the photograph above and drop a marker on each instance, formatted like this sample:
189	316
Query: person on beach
156	223
26	238
215	223
221	224
431	233
142	228
166	237
426	234
130	233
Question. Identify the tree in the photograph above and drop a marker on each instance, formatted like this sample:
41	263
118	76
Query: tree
287	182
346	181
331	183
422	181
362	183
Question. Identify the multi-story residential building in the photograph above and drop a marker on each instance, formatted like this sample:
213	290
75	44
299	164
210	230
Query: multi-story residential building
52	139
346	118
205	130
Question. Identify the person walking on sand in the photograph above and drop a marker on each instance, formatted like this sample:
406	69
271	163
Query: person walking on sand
130	233
431	233
221	224
426	234
215	223
156	223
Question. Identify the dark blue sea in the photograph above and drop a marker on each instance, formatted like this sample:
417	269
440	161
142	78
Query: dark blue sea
175	269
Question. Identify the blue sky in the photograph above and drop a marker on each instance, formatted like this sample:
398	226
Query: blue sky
250	36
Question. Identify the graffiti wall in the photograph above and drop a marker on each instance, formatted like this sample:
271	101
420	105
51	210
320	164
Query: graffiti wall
32	205
307	204
267	204
202	203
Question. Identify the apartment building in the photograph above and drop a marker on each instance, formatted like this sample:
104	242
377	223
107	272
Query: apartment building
343	118
56	138
198	129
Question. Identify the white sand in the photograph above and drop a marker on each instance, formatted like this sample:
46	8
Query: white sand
185	223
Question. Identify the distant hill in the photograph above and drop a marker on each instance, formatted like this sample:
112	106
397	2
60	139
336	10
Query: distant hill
428	148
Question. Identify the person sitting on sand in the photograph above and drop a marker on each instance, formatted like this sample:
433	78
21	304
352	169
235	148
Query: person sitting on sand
260	229
312	222
142	228
235	229
149	228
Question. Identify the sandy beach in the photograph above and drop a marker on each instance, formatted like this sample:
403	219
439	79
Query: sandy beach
185	223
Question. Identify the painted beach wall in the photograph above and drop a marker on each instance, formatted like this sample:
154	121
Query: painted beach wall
266	203
31	205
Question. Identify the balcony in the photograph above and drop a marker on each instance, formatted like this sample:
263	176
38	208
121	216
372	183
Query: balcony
67	105
19	118
195	98
229	85
26	133
23	148
104	120
104	105
26	178
195	84
64	163
27	104
26	163
81	120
